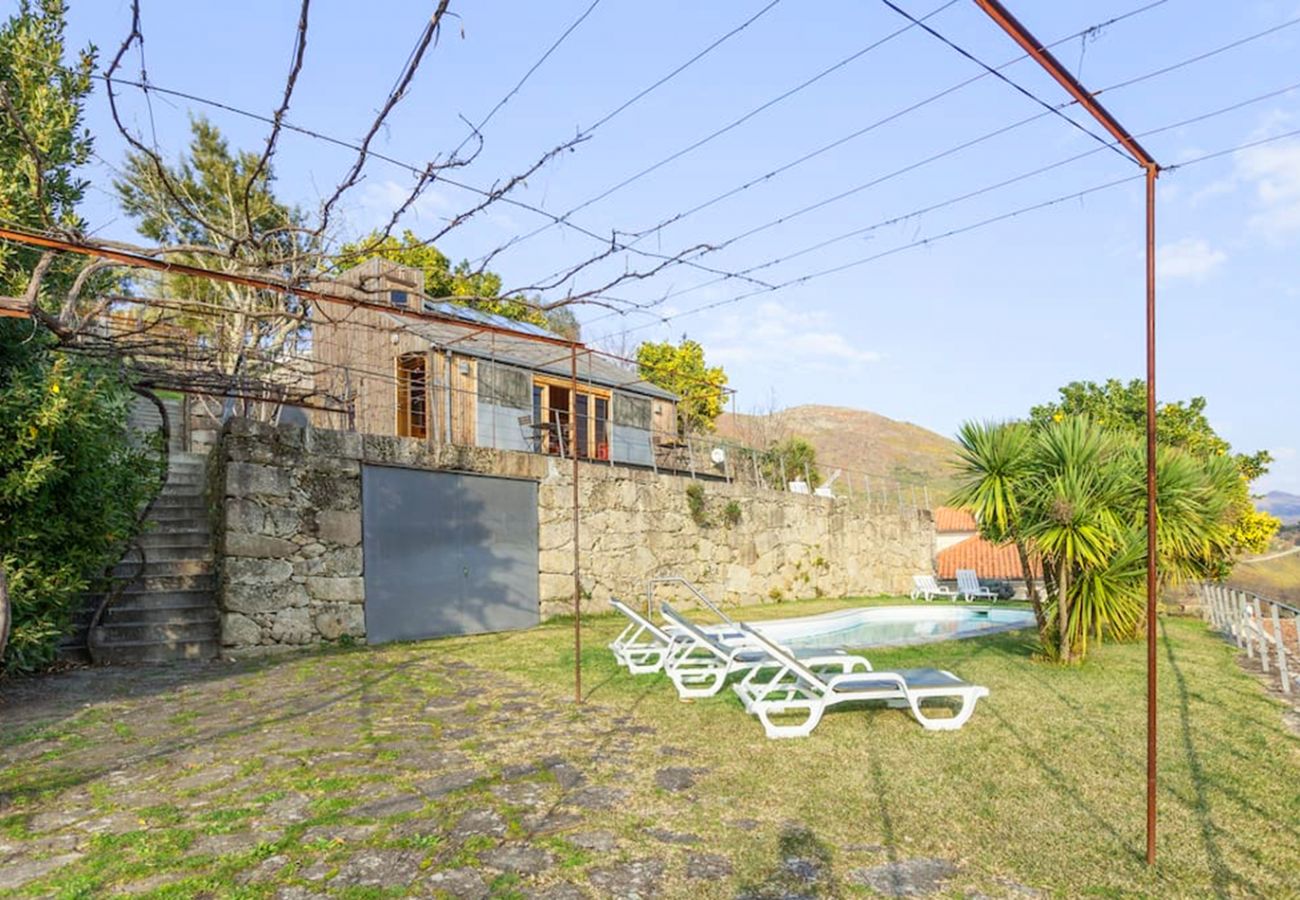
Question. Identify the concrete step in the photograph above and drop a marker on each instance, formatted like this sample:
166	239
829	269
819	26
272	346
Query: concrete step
176	537
179	599
178	500
182	552
184	480
156	614
160	567
120	633
150	584
168	519
130	652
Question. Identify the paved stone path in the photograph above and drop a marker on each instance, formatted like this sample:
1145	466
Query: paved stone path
370	773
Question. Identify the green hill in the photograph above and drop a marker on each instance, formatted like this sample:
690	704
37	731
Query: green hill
855	439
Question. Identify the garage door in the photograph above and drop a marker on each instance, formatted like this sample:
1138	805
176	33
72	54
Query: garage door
447	553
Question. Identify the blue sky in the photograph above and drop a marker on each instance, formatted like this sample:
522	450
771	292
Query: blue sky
980	325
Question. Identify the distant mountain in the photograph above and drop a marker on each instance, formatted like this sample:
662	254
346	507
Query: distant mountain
1281	504
855	439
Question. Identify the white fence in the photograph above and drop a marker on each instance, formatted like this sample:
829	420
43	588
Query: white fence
1257	625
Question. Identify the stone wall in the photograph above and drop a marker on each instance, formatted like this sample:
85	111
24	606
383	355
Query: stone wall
289	533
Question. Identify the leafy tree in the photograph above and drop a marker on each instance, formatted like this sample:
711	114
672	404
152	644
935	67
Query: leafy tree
70	484
680	368
70	480
42	139
218	209
791	459
1122	406
460	283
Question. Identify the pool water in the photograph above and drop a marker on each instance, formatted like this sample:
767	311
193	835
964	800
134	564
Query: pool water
892	626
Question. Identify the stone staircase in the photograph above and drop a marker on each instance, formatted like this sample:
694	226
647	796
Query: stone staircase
165	608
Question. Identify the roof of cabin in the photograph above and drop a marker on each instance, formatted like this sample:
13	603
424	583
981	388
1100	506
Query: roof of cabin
507	349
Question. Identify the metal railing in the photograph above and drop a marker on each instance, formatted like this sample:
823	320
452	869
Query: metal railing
601	439
681	582
1255	624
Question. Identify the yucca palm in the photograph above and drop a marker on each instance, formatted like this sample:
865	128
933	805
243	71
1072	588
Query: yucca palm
1071	512
993	465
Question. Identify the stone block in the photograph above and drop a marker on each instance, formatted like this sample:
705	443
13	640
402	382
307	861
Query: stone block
341	527
252	599
244	515
292	626
251	480
337	621
243	570
238	630
281	521
338	444
320	490
258	545
347	561
349	590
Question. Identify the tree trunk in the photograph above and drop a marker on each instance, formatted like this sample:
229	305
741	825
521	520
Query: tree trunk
1031	587
4	612
1063	611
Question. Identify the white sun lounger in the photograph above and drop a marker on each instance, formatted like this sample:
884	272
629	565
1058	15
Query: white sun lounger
926	586
642	646
699	663
968	586
795	687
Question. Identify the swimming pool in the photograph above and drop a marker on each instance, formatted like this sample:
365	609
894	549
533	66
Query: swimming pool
892	626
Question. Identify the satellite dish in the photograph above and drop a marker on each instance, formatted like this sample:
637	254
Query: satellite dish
719	456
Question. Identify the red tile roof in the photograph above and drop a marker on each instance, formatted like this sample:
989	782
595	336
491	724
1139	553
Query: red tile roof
987	559
949	519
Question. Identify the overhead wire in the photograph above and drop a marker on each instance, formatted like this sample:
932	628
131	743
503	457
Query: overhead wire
983	223
950	151
713	135
555	45
1019	88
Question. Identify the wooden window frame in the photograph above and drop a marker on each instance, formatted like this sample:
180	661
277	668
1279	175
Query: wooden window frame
593	449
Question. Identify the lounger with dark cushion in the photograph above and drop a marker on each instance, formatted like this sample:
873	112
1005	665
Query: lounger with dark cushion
797	688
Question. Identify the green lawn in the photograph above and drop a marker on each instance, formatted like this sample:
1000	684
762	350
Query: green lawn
352	772
1044	786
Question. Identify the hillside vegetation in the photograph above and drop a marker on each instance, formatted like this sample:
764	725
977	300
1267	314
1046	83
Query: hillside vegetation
855	439
1281	504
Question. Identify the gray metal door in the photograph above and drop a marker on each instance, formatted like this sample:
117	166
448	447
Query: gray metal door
447	553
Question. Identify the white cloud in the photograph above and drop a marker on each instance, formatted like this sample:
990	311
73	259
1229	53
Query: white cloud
1273	170
378	201
1191	258
776	333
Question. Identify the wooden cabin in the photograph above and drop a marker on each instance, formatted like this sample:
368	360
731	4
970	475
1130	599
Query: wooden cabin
453	382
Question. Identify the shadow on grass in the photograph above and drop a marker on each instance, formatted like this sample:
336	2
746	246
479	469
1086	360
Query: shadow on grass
1223	877
803	868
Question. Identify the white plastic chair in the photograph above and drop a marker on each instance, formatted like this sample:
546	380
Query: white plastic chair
968	586
926	586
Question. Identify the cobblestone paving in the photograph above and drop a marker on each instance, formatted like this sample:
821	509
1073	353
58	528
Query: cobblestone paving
364	774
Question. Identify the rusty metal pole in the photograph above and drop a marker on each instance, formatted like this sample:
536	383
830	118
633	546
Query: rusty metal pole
577	579
1152	171
1040	54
